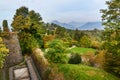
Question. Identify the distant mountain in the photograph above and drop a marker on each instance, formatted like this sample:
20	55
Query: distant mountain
80	25
76	24
91	26
68	26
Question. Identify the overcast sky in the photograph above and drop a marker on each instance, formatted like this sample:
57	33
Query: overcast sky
61	10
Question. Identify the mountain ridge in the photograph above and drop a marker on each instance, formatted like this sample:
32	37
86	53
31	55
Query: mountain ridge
80	25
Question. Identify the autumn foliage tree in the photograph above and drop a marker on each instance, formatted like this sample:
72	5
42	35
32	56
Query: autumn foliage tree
111	36
47	39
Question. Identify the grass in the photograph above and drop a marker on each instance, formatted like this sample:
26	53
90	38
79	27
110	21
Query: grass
81	50
1	75
4	75
82	72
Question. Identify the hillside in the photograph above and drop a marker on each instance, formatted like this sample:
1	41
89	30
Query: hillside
82	72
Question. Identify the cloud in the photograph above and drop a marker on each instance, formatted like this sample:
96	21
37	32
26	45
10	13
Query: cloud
79	16
62	10
75	10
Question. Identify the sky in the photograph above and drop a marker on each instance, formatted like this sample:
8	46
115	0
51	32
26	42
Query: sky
61	10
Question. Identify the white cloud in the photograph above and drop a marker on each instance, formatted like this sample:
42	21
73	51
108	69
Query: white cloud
64	10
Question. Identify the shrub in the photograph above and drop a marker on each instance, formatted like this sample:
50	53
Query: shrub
100	59
56	52
54	74
95	44
40	62
46	39
88	59
3	53
75	59
28	43
112	63
56	56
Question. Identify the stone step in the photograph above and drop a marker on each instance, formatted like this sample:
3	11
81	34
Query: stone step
26	72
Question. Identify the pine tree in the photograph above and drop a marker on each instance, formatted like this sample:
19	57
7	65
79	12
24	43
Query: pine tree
5	26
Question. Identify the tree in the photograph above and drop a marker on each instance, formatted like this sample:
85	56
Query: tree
85	41
111	36
75	58
56	52
37	28
3	53
20	20
22	11
30	23
77	35
5	26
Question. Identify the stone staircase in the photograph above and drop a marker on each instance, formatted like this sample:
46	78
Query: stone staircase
15	57
26	72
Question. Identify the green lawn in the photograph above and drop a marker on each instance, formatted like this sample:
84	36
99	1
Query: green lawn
81	50
81	72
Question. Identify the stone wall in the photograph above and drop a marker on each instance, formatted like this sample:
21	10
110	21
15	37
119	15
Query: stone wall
12	43
40	62
34	75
